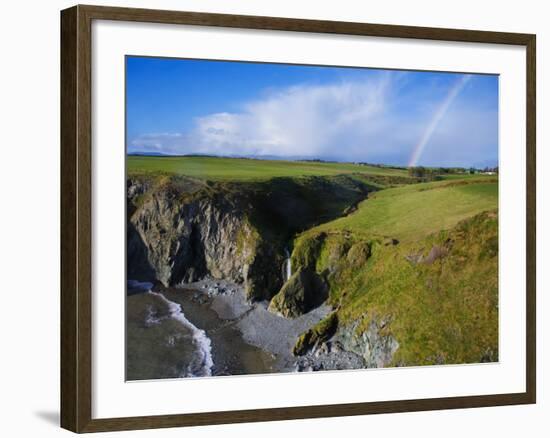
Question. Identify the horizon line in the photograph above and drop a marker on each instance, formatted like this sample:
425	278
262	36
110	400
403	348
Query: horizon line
301	159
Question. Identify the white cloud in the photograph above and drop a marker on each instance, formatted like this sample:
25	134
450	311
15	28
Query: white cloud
301	120
360	120
165	142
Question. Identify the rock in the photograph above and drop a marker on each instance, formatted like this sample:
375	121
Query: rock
316	335
415	258
437	252
374	345
359	254
336	347
181	236
390	241
322	350
304	291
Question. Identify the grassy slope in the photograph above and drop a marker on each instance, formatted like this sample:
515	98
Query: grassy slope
214	168
409	212
442	310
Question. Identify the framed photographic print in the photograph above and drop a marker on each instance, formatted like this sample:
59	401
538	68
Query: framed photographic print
342	214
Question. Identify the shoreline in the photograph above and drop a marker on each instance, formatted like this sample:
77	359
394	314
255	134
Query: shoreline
232	336
160	341
274	334
202	364
231	354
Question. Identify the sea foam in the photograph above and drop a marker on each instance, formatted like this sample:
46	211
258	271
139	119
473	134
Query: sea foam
202	362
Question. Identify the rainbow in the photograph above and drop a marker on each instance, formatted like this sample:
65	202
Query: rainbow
438	115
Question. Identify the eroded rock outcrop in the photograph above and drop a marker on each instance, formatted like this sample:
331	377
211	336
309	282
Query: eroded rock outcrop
178	240
316	335
375	345
304	291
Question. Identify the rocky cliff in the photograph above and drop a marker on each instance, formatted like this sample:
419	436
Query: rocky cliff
181	230
182	234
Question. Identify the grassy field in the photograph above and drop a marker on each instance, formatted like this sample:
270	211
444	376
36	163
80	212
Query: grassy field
214	168
435	286
410	212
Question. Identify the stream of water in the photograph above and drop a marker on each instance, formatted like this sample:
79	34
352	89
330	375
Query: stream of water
287	265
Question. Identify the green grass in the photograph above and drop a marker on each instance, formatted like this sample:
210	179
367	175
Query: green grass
441	309
410	212
445	311
214	168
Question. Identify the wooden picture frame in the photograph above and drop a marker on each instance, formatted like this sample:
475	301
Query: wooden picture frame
76	217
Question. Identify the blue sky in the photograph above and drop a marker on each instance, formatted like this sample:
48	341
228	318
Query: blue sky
177	106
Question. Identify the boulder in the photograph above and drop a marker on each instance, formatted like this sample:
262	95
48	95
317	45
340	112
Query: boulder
304	291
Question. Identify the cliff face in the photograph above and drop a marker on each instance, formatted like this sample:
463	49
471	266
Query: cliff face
181	230
179	240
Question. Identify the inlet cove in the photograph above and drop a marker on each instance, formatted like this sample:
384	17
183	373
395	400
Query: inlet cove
247	266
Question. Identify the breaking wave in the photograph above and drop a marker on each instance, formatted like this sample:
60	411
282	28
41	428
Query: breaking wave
202	362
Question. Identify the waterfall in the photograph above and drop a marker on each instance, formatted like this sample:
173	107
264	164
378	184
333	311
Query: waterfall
287	265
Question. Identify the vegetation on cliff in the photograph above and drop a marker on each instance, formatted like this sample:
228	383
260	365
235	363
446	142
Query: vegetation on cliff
430	277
